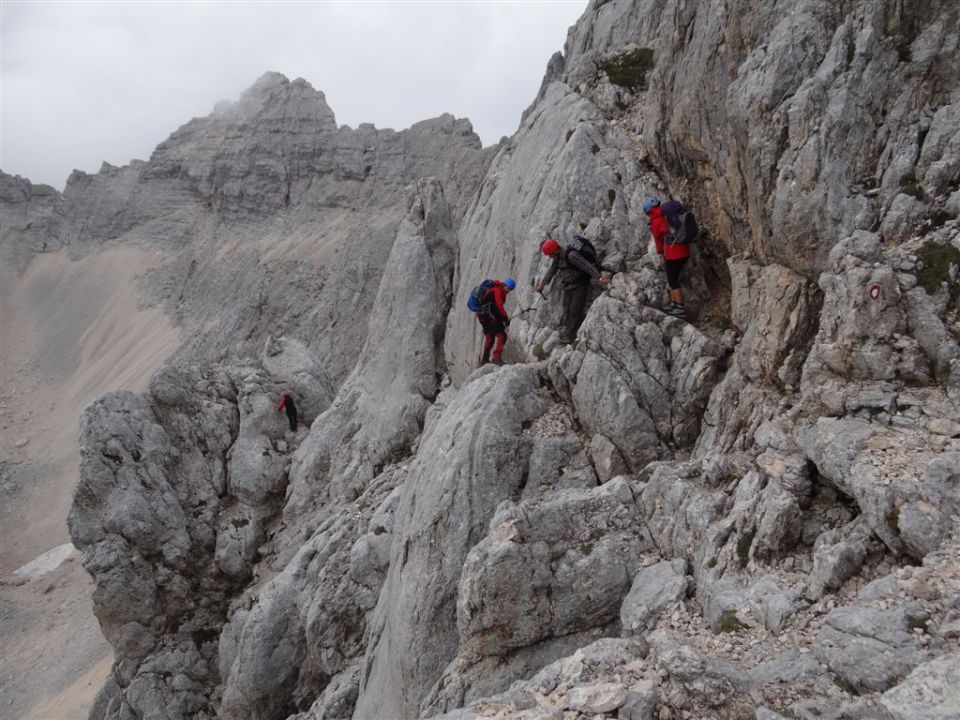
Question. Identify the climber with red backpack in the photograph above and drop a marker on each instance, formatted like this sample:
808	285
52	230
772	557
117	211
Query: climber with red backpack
673	228
487	301
577	264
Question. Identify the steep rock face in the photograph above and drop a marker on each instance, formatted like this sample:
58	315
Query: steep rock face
304	632
776	126
177	491
776	311
471	458
32	215
548	573
638	378
379	410
790	125
517	208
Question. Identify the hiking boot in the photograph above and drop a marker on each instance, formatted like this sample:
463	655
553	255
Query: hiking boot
676	310
668	306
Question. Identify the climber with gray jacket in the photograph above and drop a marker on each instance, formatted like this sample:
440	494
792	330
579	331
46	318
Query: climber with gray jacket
577	265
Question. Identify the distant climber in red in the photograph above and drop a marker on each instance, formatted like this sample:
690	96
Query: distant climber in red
286	403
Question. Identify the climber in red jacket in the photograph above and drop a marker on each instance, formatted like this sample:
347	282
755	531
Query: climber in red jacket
674	256
286	403
494	320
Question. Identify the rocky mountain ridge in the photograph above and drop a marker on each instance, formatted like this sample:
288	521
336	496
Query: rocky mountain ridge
273	220
751	515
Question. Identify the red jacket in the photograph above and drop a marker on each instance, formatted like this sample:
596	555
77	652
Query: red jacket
659	228
498	293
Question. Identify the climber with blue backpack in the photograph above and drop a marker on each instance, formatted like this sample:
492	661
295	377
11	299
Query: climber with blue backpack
673	228
487	301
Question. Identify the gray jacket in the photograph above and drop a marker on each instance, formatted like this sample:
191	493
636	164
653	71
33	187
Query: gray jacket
574	267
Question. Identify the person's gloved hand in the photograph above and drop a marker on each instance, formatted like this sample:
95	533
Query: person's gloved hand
540	287
604	281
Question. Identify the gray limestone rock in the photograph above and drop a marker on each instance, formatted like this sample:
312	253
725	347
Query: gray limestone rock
579	677
472	457
295	367
653	590
550	569
694	680
870	649
606	458
888	473
337	700
837	556
773	605
775	309
558	462
929	691
642	382
303	636
597	698
762	713
440	532
360	433
144	517
32	220
787	90
271	219
640	702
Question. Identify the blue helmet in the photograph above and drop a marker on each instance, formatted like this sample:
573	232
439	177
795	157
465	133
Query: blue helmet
649	203
510	283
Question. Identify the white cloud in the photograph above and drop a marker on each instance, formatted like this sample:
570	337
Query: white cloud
86	82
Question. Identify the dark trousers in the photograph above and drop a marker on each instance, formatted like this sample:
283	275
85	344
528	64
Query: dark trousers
494	338
673	268
574	309
292	418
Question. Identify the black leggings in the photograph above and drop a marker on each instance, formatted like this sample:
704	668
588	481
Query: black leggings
673	272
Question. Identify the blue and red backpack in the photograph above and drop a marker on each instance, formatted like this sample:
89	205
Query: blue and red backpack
475	303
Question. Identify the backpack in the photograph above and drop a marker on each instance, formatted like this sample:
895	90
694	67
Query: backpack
475	303
585	248
683	226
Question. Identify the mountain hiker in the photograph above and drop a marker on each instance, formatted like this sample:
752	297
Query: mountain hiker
673	229
489	297
577	264
286	403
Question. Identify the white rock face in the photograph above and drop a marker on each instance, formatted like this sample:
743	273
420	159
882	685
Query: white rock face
750	513
47	562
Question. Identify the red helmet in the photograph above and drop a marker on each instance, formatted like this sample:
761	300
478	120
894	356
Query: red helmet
550	247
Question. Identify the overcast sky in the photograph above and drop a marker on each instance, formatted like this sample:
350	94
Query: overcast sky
87	82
